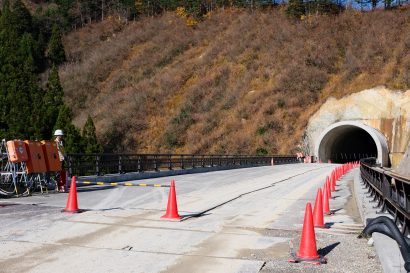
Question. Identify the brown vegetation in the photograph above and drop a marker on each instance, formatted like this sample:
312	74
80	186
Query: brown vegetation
238	82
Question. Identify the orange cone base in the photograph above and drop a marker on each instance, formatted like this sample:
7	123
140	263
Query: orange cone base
72	211
317	261
174	217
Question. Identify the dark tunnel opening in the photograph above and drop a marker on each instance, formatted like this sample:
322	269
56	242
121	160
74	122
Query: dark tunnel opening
350	144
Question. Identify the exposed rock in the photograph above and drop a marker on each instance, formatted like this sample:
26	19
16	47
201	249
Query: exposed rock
404	166
385	110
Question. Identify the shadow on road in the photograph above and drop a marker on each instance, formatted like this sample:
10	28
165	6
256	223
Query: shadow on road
193	215
326	250
333	211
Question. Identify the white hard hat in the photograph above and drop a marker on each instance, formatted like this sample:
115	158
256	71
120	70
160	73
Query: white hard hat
58	132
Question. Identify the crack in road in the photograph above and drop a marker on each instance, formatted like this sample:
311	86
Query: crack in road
199	214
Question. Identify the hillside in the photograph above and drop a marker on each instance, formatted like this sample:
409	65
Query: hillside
238	82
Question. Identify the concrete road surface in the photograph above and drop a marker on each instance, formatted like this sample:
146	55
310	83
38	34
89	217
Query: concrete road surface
122	231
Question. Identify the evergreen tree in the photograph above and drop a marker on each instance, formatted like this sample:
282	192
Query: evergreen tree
18	85
91	144
27	52
295	8
5	15
56	53
52	101
21	19
26	110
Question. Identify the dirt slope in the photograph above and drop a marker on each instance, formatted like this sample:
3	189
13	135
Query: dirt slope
238	82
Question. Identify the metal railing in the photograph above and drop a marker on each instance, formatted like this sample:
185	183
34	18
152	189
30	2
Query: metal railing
349	157
101	164
390	190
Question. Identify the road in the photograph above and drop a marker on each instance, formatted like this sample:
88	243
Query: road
122	231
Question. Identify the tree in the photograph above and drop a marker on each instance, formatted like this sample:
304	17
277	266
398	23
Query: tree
52	101
91	144
295	8
27	52
5	15
18	85
21	18
56	53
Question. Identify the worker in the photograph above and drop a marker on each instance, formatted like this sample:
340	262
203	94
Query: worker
61	177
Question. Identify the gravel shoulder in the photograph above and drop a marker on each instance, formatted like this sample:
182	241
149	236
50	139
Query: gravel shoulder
339	244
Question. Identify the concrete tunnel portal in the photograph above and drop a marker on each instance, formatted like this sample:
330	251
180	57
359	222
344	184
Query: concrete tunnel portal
350	141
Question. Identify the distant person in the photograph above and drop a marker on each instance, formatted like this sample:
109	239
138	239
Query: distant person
61	177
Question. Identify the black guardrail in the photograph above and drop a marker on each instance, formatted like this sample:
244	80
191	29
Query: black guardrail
391	192
101	164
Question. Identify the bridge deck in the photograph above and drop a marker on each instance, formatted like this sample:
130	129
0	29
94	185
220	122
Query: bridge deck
123	232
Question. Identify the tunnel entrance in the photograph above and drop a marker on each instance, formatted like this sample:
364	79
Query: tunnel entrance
350	141
351	144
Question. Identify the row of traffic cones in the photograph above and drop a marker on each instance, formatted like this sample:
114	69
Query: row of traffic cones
172	208
307	249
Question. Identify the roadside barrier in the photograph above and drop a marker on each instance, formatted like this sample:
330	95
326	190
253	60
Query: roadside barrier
27	165
386	226
122	184
101	164
390	191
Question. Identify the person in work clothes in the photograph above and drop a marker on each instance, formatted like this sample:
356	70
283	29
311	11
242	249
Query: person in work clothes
61	177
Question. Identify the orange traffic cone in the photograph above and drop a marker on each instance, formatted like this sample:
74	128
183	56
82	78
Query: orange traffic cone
325	199
332	184
329	192
72	204
307	249
318	211
172	208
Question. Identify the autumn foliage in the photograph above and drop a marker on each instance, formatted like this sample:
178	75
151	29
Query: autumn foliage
237	82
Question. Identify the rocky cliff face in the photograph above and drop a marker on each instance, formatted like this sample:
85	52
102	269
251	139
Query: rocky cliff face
385	110
404	166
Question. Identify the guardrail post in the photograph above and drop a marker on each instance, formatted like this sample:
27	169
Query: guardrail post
119	164
193	161
70	166
182	162
139	164
97	165
170	162
155	163
203	161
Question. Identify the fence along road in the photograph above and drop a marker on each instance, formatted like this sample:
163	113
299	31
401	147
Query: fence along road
100	164
123	232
